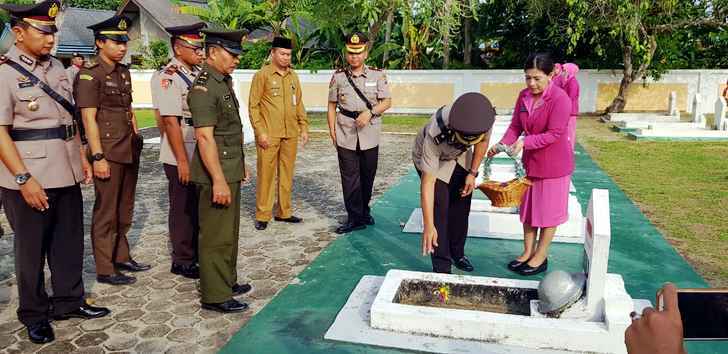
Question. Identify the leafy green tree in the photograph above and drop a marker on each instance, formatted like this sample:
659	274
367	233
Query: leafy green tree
94	4
154	56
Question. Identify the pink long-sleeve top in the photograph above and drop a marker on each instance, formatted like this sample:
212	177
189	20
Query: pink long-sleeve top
547	153
571	86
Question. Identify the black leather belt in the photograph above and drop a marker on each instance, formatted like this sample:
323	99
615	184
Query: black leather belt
64	132
187	121
350	114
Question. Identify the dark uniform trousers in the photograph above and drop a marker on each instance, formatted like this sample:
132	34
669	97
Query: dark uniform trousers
183	225
56	235
451	213
113	211
219	234
358	169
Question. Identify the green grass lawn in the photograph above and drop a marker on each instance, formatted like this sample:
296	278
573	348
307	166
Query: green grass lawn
681	186
391	123
145	118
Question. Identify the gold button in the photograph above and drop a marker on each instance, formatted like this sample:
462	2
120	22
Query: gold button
107	134
224	152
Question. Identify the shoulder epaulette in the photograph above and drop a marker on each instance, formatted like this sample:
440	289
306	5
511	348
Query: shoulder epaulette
201	81
170	70
339	70
90	65
3	59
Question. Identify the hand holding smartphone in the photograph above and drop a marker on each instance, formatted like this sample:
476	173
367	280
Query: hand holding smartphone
704	312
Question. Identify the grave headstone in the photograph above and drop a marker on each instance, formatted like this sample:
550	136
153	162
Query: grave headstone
721	112
596	249
672	104
698	116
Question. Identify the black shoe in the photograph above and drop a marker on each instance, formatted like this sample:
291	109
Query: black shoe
116	279
292	219
229	306
261	225
240	289
349	227
464	264
191	271
515	264
41	332
133	266
369	220
85	311
528	270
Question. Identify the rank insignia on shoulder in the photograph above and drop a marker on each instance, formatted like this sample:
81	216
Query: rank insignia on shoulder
85	77
26	60
3	59
170	69
201	88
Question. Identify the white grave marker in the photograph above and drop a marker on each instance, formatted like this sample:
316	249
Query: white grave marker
721	120
672	105
698	116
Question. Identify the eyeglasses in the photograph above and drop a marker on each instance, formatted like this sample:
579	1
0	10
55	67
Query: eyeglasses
197	50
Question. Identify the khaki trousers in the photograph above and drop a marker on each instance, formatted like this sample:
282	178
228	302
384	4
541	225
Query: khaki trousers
277	160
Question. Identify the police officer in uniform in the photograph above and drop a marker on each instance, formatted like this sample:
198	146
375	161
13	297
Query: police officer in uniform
103	93
178	144
362	95
447	154
217	168
42	167
77	61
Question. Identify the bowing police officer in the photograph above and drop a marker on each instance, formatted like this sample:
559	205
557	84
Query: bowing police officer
447	154
178	144
103	93
42	167
362	95
218	168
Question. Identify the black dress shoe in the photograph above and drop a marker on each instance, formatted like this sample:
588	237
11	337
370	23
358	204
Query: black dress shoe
240	289
528	270
85	311
515	264
369	220
464	264
349	227
261	225
133	266
229	306
292	219
191	271
116	279
41	332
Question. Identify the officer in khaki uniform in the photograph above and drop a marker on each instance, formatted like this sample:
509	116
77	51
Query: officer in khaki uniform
178	143
278	119
362	95
103	93
447	154
42	167
217	168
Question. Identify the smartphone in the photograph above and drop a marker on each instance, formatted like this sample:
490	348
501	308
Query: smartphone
704	313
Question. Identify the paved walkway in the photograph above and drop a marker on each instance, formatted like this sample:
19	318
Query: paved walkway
161	312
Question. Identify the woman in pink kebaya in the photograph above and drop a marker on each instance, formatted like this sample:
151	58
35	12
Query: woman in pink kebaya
566	80
541	114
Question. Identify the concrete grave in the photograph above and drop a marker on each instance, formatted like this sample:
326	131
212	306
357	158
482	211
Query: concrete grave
493	312
697	116
672	105
504	223
721	114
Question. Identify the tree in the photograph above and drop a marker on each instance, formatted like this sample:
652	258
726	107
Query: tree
154	56
637	27
94	4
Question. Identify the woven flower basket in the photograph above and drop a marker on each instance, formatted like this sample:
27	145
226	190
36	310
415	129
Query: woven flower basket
505	194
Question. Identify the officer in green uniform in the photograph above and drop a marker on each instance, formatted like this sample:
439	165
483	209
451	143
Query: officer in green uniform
217	168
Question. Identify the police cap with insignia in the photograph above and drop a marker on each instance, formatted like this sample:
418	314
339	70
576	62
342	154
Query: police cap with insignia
232	41
356	42
77	55
114	28
282	42
471	115
41	16
189	34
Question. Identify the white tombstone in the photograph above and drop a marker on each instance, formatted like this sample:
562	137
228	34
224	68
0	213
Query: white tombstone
721	109
698	116
596	249
672	105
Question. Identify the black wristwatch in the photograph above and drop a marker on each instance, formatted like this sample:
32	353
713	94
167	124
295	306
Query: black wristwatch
98	157
474	173
22	178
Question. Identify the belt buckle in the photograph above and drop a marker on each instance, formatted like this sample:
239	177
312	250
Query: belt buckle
69	132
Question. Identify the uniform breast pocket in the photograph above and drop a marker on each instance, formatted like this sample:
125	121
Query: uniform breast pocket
274	90
113	95
32	151
29	103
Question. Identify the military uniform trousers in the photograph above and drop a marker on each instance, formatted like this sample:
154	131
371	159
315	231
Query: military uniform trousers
278	159
55	235
113	212
451	213
219	229
182	219
358	169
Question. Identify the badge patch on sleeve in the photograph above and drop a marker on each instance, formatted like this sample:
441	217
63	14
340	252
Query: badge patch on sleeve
85	77
165	83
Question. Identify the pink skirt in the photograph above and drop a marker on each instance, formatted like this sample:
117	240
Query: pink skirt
571	131
546	203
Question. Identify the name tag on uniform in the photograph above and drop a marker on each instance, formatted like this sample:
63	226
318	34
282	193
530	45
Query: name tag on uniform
370	84
294	98
111	84
25	84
